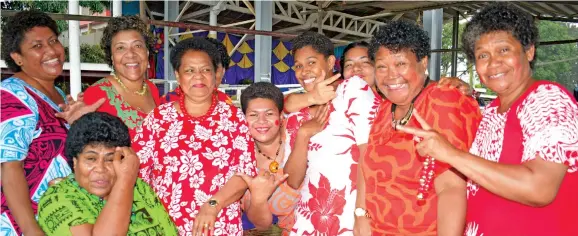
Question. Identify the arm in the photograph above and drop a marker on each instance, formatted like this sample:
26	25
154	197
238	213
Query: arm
231	192
323	92
296	165
360	201
362	223
547	124
114	218
259	214
536	180
534	183
450	188
18	197
294	102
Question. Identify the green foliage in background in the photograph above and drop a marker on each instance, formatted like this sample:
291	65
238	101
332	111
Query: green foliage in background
53	6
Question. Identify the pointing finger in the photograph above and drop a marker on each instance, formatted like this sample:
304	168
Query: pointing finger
421	120
415	131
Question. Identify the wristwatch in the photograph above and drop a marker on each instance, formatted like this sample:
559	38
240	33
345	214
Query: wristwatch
361	212
213	202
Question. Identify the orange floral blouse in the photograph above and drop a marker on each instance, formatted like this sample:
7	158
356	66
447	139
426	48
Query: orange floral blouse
392	167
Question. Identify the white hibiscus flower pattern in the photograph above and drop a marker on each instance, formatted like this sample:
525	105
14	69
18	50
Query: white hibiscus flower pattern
187	162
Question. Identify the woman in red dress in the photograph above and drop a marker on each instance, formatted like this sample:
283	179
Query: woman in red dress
523	162
399	191
129	94
191	149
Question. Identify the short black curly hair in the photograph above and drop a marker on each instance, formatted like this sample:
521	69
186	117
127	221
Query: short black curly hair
15	29
321	43
225	58
500	17
119	24
96	128
401	35
262	90
194	44
360	44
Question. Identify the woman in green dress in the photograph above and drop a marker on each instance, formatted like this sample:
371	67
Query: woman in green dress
103	196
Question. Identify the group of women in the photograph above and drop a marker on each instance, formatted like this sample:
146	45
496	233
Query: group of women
383	151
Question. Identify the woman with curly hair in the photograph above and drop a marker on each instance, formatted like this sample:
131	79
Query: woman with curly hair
103	196
522	166
35	118
401	192
190	150
129	94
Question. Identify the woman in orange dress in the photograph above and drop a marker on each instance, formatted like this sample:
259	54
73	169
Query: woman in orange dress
399	191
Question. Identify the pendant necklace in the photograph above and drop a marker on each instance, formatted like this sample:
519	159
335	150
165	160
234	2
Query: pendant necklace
274	166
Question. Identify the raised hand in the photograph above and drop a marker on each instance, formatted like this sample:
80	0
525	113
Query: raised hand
262	185
317	123
75	109
454	82
433	144
323	92
126	164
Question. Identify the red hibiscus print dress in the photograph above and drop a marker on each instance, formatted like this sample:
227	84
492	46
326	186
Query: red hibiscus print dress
188	161
328	193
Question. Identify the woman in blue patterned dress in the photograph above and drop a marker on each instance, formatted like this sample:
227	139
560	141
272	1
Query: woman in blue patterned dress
32	134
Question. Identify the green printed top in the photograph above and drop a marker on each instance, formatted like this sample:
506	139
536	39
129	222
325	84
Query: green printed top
66	204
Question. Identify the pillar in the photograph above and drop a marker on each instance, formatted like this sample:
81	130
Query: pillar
263	21
433	24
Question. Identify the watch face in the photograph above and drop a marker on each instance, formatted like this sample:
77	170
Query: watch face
359	212
213	202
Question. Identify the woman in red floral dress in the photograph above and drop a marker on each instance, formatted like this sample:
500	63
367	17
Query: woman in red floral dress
191	149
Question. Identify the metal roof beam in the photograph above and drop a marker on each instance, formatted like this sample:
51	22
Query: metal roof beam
294	12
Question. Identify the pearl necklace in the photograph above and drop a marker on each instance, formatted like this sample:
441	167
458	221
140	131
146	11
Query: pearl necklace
428	171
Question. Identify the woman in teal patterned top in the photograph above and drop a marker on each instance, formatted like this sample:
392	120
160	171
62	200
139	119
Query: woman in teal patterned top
104	195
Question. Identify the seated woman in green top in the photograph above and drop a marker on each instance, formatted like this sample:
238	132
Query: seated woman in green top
104	195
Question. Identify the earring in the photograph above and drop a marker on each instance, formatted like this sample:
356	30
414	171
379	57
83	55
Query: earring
19	63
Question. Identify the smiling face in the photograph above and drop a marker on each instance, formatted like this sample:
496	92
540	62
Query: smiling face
309	66
399	76
129	55
357	63
41	54
502	63
196	75
264	119
94	171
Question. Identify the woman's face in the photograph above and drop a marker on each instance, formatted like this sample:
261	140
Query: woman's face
196	75
357	63
94	171
264	119
41	54
309	66
502	63
129	55
399	76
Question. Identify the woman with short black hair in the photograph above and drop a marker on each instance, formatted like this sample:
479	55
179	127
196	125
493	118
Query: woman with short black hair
103	196
35	118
